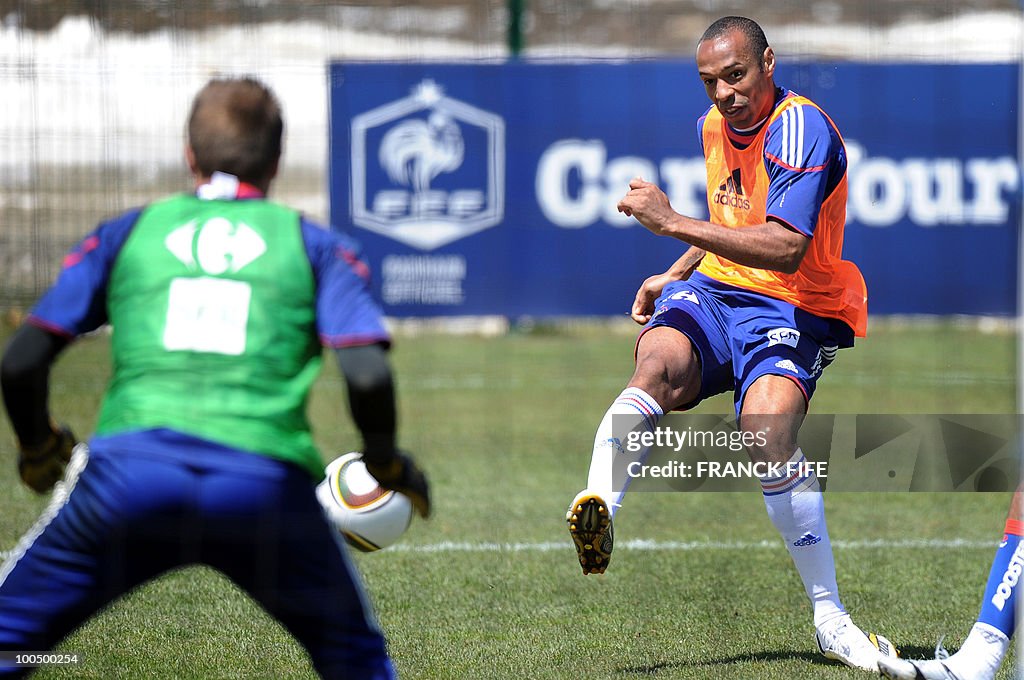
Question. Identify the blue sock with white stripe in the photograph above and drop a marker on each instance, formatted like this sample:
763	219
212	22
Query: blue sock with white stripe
633	409
795	507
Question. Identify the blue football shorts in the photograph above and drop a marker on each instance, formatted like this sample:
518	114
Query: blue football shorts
739	336
144	503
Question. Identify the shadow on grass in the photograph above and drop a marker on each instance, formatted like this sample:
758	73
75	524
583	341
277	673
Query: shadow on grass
762	657
751	657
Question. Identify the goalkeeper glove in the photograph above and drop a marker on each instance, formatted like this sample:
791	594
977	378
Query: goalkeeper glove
42	466
401	474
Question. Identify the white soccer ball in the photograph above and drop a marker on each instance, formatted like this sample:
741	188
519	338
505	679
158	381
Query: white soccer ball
369	516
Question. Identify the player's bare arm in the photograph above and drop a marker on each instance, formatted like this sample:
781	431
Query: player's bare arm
771	245
681	269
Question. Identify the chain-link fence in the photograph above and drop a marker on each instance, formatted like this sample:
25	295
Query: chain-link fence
95	93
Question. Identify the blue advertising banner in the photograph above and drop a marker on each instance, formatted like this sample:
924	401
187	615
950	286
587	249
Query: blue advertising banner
490	188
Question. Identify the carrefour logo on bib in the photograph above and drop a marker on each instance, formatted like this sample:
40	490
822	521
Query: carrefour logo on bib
427	169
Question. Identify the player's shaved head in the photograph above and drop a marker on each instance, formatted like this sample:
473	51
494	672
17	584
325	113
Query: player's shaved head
756	40
235	127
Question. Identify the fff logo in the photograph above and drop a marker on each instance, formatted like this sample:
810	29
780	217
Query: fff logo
427	169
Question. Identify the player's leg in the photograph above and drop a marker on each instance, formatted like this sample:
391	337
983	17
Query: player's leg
982	652
666	375
39	600
268	534
773	408
779	353
78	556
681	356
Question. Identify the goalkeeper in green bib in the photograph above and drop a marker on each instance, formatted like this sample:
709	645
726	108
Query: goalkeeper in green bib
220	303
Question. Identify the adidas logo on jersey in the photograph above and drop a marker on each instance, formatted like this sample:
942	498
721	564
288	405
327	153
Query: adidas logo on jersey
730	192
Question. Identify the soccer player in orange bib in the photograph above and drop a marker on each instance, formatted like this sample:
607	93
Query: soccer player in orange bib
758	305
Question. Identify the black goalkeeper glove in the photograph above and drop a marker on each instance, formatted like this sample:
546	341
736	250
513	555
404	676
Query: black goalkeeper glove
42	466
400	473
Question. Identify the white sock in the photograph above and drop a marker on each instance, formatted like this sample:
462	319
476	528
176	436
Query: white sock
981	654
632	410
795	507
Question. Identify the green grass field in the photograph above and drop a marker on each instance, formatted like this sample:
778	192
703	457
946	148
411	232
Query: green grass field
490	587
